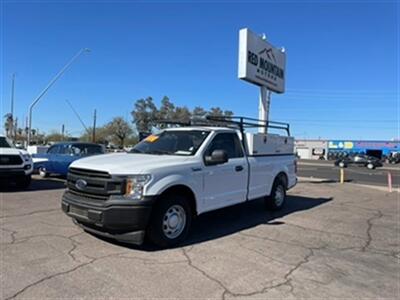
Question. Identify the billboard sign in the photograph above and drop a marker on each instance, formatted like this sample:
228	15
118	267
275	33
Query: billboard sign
261	63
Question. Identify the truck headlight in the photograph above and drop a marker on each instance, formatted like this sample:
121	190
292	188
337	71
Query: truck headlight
135	186
27	157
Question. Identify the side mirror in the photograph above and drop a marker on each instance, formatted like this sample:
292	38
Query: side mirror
217	157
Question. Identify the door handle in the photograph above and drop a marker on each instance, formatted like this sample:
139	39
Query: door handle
238	168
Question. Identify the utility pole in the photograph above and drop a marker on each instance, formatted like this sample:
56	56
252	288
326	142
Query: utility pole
52	81
12	95
94	127
62	131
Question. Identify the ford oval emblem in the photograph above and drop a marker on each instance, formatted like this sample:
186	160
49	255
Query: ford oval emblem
80	184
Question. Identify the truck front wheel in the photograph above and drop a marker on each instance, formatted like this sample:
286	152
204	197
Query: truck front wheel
170	221
276	199
24	181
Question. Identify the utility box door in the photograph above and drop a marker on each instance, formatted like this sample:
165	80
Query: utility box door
268	144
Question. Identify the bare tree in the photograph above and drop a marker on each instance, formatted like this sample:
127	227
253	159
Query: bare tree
119	130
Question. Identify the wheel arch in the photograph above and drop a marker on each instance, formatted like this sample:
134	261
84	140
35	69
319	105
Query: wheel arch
282	176
183	190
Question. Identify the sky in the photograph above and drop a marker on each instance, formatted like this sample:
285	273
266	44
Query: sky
342	67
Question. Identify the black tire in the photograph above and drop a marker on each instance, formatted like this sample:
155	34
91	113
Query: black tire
23	182
43	173
156	232
276	200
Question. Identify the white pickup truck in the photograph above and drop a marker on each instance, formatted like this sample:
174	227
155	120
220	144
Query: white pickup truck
15	164
171	177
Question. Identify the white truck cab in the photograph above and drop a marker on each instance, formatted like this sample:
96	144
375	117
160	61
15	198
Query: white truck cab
15	164
167	179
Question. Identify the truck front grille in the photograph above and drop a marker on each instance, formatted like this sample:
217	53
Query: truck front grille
93	184
10	160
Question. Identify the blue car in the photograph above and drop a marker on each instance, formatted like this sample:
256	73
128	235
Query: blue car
59	156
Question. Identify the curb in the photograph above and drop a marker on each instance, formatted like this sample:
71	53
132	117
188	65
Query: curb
375	187
300	163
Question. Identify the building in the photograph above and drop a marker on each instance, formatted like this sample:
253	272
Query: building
329	149
312	149
372	148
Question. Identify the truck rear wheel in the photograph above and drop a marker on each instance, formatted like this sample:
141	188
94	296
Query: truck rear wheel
276	200
170	221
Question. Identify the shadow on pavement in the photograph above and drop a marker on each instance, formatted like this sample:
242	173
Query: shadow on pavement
233	219
325	181
37	184
230	220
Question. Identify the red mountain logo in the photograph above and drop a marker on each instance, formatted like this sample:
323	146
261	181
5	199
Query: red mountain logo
269	54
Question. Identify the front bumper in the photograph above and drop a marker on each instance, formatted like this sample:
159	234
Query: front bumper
116	218
16	171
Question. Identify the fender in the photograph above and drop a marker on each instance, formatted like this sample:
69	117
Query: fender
159	185
284	170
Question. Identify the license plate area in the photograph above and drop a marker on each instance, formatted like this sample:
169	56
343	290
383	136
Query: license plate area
80	212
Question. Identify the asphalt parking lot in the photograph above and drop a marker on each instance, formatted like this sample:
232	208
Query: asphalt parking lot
331	240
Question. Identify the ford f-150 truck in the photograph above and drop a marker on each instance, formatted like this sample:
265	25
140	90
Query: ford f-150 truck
171	177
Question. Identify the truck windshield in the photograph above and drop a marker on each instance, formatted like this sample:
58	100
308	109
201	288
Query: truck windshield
5	143
172	142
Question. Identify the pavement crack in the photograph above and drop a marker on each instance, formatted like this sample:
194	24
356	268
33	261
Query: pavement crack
91	261
48	278
369	228
205	274
12	234
287	280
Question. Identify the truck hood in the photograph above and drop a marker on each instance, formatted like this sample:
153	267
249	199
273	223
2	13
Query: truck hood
12	151
127	163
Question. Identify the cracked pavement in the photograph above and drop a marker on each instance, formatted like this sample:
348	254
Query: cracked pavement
330	241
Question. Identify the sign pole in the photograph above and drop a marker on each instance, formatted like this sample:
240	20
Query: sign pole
263	108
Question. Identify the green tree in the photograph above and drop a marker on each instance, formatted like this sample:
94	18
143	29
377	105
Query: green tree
228	114
199	112
167	109
216	112
182	114
8	124
55	136
144	114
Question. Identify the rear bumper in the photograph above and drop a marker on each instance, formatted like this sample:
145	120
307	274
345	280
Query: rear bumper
293	183
117	218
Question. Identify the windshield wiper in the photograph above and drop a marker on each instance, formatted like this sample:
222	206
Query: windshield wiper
159	152
135	151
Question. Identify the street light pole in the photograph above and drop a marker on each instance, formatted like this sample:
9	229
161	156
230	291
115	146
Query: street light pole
58	75
12	135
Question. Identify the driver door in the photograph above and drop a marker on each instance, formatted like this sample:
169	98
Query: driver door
225	184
